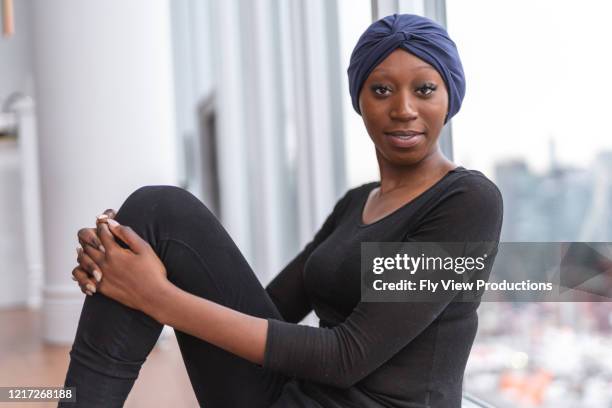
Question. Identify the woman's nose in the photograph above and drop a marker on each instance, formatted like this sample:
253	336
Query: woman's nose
403	107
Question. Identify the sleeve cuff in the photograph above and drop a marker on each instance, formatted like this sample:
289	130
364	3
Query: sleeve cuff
271	354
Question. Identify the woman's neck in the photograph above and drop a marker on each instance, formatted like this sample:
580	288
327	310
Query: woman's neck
394	177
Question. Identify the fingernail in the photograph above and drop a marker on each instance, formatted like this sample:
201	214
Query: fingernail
101	248
102	217
79	249
97	275
91	288
112	222
73	278
89	293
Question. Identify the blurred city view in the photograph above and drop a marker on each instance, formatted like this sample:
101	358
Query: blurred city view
548	354
565	203
529	123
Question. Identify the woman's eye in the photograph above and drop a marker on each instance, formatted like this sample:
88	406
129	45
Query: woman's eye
427	89
381	90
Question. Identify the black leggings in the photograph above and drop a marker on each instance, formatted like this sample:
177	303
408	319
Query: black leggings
113	341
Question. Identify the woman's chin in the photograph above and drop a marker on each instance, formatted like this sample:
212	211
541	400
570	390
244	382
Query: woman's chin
404	160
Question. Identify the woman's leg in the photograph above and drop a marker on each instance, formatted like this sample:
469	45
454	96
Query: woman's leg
113	340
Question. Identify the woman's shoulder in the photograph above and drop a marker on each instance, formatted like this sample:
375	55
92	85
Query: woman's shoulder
473	202
464	195
468	209
353	193
351	198
474	185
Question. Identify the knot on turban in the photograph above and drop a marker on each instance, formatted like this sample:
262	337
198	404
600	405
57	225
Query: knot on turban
421	37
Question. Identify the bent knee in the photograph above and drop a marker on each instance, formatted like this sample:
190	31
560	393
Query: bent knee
153	191
160	201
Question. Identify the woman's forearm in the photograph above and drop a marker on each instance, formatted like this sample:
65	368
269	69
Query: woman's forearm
233	331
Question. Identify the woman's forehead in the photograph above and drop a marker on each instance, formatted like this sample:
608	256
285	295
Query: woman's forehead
403	63
402	59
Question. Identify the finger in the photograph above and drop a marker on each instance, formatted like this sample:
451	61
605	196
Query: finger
102	218
107	214
97	257
88	236
108	241
88	265
127	235
85	283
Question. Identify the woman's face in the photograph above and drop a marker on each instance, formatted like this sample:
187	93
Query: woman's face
403	104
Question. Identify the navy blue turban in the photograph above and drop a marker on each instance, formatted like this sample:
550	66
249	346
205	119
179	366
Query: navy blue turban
421	37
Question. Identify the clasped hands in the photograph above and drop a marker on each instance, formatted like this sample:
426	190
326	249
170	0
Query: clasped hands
133	276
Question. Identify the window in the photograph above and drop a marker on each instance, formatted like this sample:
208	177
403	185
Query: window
361	166
535	121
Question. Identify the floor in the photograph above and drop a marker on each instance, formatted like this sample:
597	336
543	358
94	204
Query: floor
26	361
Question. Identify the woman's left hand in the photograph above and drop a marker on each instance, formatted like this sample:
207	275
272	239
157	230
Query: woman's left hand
134	276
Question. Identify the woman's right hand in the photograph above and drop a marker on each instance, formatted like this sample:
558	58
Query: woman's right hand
87	274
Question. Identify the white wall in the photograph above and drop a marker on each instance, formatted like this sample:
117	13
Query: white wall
16	54
13	279
15	76
105	107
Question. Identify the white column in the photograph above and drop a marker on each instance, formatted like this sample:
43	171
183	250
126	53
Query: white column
315	60
103	77
232	129
263	97
30	197
13	275
382	8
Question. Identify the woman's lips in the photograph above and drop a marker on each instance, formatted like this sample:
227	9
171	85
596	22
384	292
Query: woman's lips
405	141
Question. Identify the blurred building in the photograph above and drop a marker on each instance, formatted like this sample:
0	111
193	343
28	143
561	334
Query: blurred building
560	205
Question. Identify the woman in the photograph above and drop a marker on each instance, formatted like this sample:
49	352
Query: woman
176	265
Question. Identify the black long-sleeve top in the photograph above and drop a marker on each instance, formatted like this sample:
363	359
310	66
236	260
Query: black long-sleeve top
373	354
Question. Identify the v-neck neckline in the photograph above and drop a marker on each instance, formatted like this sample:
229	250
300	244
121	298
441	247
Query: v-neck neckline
369	191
